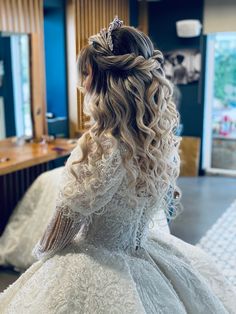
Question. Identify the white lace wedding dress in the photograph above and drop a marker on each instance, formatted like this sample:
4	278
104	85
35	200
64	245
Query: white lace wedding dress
29	220
96	257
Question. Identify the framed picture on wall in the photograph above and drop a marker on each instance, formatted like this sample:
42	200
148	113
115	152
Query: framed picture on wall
182	66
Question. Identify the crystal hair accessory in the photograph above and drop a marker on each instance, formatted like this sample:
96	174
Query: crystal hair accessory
115	24
105	38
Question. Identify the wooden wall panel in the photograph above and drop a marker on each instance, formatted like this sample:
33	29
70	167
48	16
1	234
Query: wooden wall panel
26	16
189	156
87	17
71	64
38	95
143	16
20	16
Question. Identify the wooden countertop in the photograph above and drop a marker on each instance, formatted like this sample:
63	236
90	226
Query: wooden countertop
30	154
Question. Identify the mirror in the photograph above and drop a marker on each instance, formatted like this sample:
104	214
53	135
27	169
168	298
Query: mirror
15	86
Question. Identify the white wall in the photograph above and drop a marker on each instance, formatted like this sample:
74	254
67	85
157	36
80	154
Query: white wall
219	16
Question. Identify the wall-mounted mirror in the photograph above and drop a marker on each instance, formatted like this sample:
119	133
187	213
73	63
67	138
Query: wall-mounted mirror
15	85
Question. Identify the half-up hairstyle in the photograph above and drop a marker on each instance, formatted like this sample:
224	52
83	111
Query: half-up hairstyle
130	101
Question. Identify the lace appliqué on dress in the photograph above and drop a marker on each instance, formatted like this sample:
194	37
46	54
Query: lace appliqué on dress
85	189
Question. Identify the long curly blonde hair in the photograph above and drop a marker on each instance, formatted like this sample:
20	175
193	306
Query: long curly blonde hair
130	101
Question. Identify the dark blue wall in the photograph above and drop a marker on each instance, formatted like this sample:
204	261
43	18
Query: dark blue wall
133	9
55	57
6	90
162	30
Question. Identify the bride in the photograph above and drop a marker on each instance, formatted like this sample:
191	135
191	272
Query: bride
95	255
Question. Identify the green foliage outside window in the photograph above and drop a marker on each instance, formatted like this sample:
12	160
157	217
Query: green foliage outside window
225	70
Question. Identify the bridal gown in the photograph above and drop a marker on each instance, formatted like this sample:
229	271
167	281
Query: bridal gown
96	256
31	216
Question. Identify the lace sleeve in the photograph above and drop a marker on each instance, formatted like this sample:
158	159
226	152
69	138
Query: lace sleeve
86	187
60	231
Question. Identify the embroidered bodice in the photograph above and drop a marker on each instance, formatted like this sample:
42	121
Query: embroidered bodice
121	226
95	199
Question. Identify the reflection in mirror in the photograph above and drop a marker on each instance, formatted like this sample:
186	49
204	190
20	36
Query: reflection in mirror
15	96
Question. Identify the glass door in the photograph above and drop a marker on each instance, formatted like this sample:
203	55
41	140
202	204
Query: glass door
219	142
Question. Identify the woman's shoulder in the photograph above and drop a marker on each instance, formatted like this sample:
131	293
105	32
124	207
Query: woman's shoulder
106	152
98	152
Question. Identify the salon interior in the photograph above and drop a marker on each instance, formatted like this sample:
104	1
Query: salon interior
41	112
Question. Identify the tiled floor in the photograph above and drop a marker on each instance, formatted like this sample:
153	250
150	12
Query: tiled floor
204	200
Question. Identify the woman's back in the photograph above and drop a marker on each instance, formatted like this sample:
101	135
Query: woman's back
115	220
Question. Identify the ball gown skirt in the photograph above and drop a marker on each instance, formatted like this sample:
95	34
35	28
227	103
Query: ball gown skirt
96	255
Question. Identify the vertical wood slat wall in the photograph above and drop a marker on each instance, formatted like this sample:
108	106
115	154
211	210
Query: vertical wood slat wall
143	16
21	16
26	16
85	18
